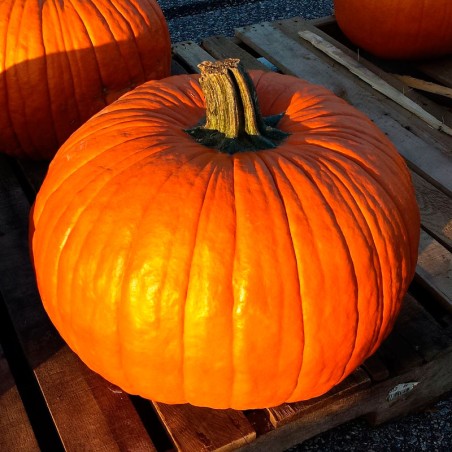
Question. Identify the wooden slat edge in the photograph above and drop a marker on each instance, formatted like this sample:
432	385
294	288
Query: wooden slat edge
423	85
221	47
434	268
439	69
288	412
195	428
435	209
190	54
376	82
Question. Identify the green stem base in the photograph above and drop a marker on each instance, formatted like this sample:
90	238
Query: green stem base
233	120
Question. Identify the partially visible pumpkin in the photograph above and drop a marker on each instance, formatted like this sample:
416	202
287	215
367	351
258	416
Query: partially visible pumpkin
397	29
237	265
62	61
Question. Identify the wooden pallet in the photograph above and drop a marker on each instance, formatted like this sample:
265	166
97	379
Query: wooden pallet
50	400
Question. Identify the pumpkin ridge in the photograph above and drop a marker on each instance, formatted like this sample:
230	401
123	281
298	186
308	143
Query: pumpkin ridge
76	345
102	93
341	236
298	201
3	54
265	79
69	65
210	185
74	171
132	35
373	175
134	244
117	42
347	133
234	297
338	153
157	14
396	228
93	49
160	92
23	114
94	194
270	154
101	155
313	163
362	222
370	242
384	166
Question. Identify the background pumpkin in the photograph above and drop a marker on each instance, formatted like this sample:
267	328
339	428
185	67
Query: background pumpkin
185	274
62	61
397	29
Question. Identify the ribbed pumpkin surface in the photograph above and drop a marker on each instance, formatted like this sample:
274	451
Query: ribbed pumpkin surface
397	29
61	61
186	275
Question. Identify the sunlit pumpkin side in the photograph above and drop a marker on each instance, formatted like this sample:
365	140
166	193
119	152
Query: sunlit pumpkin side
190	251
62	61
397	29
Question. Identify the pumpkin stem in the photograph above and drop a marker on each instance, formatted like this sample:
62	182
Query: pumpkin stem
233	120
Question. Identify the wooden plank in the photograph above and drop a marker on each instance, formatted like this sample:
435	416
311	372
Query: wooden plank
83	406
176	68
16	432
331	33
295	59
288	412
434	267
423	85
323	22
412	391
221	47
376	368
383	69
439	69
310	424
191	54
397	352
415	319
436	210
376	82
195	428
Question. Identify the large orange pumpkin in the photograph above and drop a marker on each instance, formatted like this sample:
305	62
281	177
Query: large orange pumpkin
260	273
62	61
397	29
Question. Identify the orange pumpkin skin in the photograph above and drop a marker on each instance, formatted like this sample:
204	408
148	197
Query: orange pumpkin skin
397	29
62	61
183	274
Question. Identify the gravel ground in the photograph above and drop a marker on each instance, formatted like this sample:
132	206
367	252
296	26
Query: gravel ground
430	430
193	20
